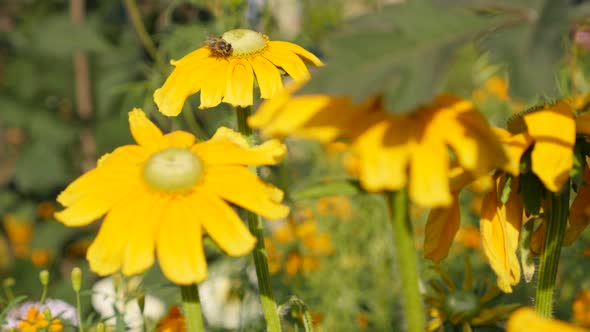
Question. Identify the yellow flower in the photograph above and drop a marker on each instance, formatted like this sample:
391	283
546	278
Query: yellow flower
224	70
526	319
36	321
581	308
158	195
392	150
551	159
20	233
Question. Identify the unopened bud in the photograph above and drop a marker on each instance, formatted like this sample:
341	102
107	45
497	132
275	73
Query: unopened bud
47	314
141	302
44	277
9	282
76	279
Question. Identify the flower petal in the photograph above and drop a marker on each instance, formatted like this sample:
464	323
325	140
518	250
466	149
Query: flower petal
179	138
105	254
288	61
143	130
242	187
500	229
441	227
526	319
184	81
514	146
222	224
214	83
229	147
180	244
272	107
240	85
268	77
429	167
300	51
552	156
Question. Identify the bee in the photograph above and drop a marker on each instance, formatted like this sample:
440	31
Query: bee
219	47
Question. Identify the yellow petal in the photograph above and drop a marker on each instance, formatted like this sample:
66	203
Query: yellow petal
222	224
180	245
105	254
383	153
185	80
179	138
527	320
143	130
240	85
552	156
193	57
300	51
268	77
441	227
138	254
469	134
579	216
214	83
429	166
242	187
272	107
227	147
290	62
514	146
500	229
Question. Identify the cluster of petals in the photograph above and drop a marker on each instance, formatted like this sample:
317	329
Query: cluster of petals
392	150
230	78
142	218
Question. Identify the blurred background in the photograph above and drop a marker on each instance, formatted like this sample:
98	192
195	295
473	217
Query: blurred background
71	70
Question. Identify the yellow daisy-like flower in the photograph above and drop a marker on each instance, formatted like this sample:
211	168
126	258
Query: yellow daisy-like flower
225	68
393	150
160	194
526	319
36	321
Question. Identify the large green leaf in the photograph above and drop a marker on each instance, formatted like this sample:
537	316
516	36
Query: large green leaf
401	52
533	50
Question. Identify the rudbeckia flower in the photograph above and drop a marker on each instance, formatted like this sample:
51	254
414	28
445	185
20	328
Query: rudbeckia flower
163	193
226	67
392	151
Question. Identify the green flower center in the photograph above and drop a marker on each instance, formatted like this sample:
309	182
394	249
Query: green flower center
244	41
174	170
461	306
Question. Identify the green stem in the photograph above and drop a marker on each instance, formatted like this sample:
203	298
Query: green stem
79	312
556	215
142	34
269	305
407	260
191	306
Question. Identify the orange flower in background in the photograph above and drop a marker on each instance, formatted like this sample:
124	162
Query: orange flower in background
162	193
173	322
338	206
36	321
581	308
226	68
469	236
20	234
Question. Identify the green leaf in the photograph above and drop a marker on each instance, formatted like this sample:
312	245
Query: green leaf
533	50
40	170
322	189
402	51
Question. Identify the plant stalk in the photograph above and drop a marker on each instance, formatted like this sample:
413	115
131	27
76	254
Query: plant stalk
269	305
556	216
191	306
407	260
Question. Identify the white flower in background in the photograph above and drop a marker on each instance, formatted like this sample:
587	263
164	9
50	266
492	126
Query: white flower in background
106	296
225	302
59	309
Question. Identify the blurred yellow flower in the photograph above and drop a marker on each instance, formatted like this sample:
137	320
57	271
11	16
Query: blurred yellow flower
337	206
581	308
526	320
20	233
469	236
392	150
495	86
36	321
41	257
158	195
45	210
225	68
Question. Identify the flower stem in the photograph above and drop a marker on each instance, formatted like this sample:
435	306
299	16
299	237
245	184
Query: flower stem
142	34
406	259
556	215
269	305
191	305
